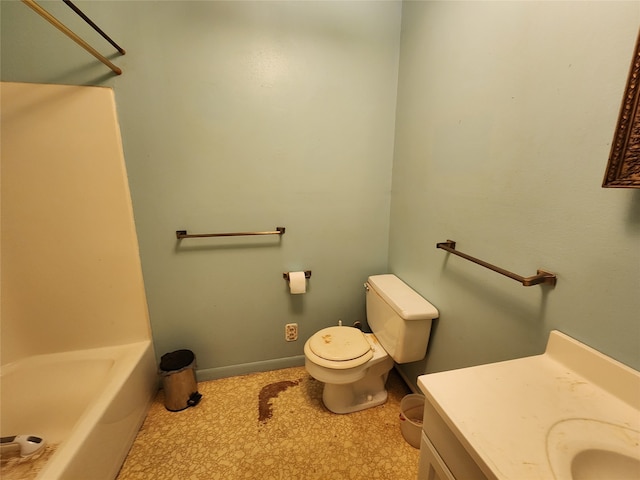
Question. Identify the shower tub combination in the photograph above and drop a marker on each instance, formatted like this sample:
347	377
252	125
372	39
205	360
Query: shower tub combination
81	296
88	403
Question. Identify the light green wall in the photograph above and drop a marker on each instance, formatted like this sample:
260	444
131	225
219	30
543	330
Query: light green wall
506	112
241	116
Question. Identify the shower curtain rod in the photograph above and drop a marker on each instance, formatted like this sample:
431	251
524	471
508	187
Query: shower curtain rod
94	26
56	23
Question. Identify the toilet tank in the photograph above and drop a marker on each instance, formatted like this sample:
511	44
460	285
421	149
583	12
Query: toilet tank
399	317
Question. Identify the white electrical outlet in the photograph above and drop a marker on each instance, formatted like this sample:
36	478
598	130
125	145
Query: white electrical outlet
291	332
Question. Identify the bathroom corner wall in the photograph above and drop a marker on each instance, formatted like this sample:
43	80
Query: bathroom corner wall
252	115
506	113
71	275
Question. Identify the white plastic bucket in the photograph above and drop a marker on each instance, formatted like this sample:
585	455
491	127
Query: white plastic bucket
411	414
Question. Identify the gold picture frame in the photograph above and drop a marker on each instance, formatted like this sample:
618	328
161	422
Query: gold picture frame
623	169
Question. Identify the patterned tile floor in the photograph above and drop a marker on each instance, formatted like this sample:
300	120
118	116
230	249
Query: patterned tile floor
271	425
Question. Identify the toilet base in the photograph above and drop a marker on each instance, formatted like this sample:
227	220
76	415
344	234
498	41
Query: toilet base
365	393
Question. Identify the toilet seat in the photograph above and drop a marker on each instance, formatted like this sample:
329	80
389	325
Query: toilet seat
339	348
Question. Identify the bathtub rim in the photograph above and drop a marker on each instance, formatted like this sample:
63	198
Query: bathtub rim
127	357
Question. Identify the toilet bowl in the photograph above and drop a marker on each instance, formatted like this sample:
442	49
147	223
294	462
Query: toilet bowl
353	365
355	379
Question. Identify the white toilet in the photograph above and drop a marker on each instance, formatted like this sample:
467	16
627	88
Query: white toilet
353	365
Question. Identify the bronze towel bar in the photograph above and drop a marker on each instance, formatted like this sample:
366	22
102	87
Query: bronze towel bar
180	234
542	276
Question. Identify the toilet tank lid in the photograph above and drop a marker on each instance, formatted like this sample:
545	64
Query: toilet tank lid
402	298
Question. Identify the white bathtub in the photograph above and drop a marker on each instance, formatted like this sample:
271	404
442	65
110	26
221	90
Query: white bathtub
90	403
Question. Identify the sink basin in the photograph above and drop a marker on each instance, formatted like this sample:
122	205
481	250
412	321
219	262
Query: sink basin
588	449
599	464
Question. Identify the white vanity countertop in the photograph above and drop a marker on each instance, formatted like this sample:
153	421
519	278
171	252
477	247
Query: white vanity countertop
503	412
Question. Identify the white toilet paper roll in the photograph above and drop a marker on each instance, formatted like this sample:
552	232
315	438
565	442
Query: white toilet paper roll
297	283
